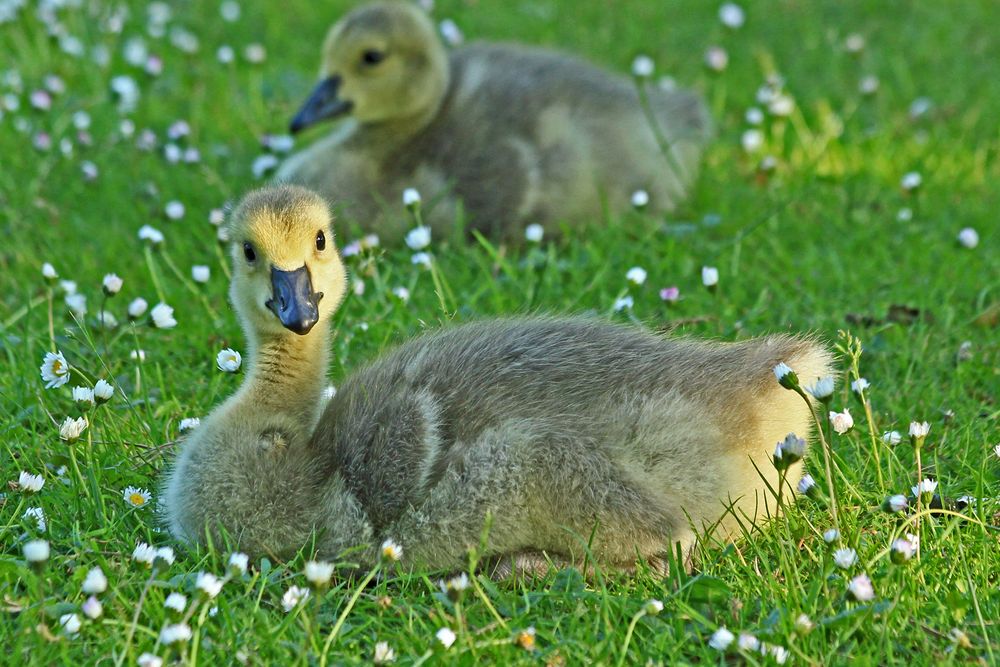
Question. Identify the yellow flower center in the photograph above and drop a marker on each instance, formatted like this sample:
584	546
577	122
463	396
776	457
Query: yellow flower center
57	367
137	499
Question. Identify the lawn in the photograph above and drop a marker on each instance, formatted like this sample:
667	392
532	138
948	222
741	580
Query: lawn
842	215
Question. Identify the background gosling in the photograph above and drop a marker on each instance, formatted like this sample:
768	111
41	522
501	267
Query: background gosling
506	134
555	428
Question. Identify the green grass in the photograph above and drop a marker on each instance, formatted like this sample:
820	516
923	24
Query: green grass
817	246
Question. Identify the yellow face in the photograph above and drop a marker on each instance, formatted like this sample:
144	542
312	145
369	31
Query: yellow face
287	274
380	62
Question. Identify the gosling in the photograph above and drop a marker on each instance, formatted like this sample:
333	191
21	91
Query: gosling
503	135
571	437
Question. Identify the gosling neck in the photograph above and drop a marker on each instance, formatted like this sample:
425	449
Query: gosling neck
288	372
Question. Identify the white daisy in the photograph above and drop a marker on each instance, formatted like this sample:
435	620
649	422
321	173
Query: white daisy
822	389
293	597
151	235
845	558
968	237
38	514
892	437
411	198
228	360
188	424
72	429
390	551
238	563
636	275
103	391
861	588
721	639
419	238
30	483
200	273
208	583
83	395
176	602
95	582
175	633
70	624
137	308
54	370
383	654
643	66
36	551
111	284
709	276
534	233
640	199
136	497
163	316
92	608
842	422
318	573
446	636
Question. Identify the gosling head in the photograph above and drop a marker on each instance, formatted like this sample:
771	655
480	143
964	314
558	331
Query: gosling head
287	275
382	62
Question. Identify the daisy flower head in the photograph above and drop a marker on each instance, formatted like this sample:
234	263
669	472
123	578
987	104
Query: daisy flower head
421	259
709	276
36	551
842	422
200	273
208	583
450	32
653	607
95	582
860	385
455	587
294	596
789	451
38	514
144	553
526	638
925	489
176	602
83	396
70	624
968	238
732	15
822	389
636	275
845	558
174	210
418	238
721	639
92	608
996	450
151	235
896	503
640	199
919	430
411	198
716	58
911	181
149	660
72	429
136	497
163	316
902	550
643	67
623	303
29	483
238	563
831	535
446	636
188	424
861	589
175	633
111	284
49	273
383	654
390	551
54	370
807	485
401	293
103	391
318	573
748	642
670	294
228	360
892	437
137	308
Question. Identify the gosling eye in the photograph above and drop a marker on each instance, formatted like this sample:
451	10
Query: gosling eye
320	240
372	56
248	252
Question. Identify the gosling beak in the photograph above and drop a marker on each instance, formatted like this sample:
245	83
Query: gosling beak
321	105
293	299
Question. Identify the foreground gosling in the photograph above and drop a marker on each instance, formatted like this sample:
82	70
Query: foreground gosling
508	135
569	436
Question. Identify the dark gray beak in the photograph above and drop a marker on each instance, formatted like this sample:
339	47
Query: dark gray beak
293	299
321	105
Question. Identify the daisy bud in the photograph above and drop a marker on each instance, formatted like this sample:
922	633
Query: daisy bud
786	376
911	181
95	582
534	233
721	639
174	210
861	588
151	235
144	553
968	237
822	389
111	284
748	643
807	486
652	607
411	199
842	422
831	535
103	391
200	273
164	557
137	308
902	550
860	386
793	448
892	437
318	573
175	633
894	504
238	563
149	660
804	625
716	58
732	15
92	608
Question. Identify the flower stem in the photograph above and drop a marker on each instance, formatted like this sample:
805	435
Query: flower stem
827	464
628	635
343	615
